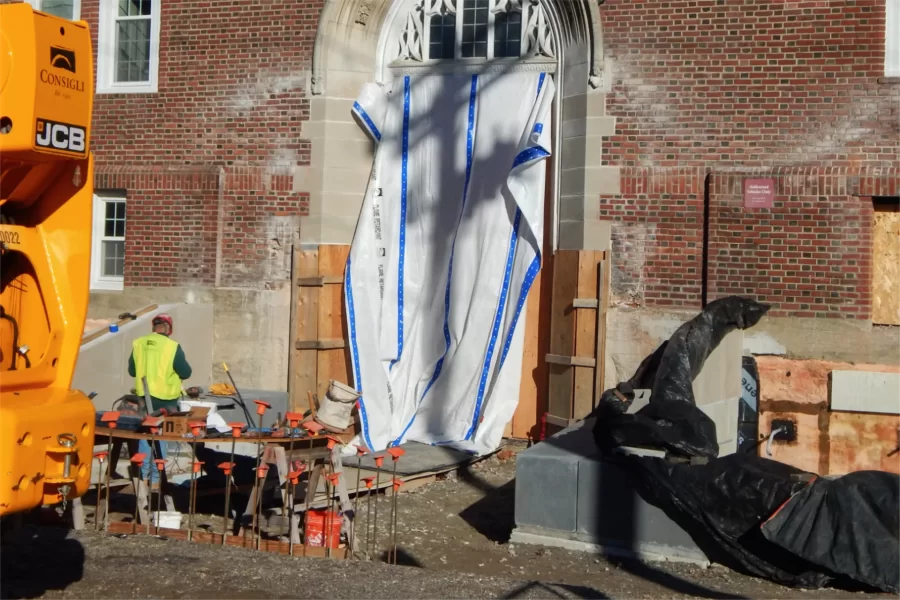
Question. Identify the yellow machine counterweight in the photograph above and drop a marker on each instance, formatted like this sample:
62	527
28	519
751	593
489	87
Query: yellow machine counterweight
46	197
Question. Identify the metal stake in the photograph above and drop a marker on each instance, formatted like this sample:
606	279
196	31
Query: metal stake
261	407
235	434
379	460
293	420
395	453
368	481
99	456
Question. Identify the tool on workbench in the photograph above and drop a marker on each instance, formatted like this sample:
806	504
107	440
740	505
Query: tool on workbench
226	469
368	481
379	460
360	452
396	489
137	459
261	407
292	419
294	477
262	471
312	404
240	398
395	453
100	456
161	467
192	501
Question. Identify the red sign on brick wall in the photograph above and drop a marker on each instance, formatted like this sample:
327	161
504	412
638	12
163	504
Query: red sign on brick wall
759	193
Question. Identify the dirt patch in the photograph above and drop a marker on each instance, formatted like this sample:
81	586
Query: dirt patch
453	541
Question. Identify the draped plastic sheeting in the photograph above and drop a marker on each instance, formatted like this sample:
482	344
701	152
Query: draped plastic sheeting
445	251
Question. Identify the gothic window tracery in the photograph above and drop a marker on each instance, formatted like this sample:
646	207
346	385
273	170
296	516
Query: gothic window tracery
442	30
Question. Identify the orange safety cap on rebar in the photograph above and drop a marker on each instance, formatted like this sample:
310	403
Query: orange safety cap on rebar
361	450
333	478
101	456
261	471
196	465
160	464
226	467
236	429
261	406
197	427
379	460
368	481
293	418
138	457
312	427
397	483
332	441
294	476
396	452
110	417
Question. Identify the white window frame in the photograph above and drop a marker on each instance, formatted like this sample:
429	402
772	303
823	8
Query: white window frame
494	7
106	52
892	38
76	8
99	281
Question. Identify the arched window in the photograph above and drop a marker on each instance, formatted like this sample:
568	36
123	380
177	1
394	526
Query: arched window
442	30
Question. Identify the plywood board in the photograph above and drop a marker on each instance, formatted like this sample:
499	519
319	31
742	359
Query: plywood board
585	335
332	363
886	265
562	332
303	362
533	388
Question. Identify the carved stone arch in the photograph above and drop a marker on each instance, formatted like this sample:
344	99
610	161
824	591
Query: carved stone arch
575	23
352	42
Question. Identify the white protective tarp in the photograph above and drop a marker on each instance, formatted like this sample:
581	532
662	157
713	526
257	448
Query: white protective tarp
445	251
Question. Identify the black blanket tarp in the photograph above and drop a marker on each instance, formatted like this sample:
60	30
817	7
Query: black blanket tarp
671	420
849	525
722	504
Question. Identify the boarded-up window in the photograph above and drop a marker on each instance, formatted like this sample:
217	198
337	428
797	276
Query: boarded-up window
886	262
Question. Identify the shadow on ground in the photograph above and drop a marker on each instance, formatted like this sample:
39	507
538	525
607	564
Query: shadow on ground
39	559
494	515
578	591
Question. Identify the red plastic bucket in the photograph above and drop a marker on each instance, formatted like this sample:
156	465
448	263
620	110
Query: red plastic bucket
323	528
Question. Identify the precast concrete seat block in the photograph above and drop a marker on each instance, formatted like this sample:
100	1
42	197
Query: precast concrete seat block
569	495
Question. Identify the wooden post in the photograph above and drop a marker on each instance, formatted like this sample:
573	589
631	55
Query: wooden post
304	327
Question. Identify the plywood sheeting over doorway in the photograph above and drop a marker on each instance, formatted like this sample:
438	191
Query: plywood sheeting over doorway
886	262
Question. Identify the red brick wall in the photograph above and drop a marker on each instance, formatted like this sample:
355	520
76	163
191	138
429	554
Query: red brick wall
222	133
709	86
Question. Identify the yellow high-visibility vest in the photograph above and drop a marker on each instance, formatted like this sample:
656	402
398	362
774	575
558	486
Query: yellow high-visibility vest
154	358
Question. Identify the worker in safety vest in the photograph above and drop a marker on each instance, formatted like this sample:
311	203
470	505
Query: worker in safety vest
161	360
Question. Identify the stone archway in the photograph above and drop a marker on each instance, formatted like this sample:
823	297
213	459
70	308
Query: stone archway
354	46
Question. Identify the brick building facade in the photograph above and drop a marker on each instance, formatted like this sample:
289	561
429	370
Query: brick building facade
238	145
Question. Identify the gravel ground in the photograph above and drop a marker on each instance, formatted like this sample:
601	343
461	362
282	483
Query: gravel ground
453	543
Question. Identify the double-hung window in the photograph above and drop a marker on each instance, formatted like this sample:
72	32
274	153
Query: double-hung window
128	46
108	248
